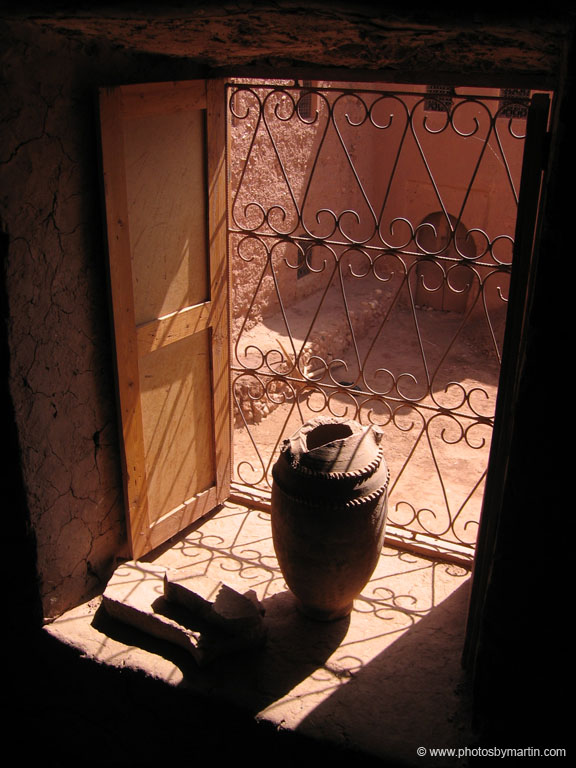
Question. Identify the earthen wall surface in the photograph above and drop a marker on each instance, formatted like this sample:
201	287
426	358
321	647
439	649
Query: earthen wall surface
61	370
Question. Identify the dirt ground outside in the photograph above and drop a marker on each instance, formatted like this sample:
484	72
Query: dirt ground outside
436	443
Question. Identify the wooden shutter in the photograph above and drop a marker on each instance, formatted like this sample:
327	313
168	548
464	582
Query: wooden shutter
163	153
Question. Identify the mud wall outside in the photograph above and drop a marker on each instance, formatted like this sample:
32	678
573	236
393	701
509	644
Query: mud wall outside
283	168
328	165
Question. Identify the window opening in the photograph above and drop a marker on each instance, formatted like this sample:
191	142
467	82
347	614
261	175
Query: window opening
400	208
304	264
439	98
305	102
515	103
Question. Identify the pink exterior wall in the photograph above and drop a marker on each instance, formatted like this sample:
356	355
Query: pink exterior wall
476	176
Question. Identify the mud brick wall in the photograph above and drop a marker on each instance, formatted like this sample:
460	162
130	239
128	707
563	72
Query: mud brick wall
61	368
61	380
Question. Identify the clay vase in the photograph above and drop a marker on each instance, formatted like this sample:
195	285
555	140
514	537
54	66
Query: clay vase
329	506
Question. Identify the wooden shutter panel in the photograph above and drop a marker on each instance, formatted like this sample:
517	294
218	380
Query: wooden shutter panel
163	154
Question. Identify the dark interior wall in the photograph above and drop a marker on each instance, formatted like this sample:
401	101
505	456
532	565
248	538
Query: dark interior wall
56	304
431	39
523	648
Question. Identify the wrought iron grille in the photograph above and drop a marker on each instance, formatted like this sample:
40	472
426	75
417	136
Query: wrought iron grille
371	247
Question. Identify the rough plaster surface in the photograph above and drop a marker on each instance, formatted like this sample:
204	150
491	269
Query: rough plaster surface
61	375
61	363
60	353
353	35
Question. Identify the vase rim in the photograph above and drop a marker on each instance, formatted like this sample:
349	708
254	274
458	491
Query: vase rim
354	449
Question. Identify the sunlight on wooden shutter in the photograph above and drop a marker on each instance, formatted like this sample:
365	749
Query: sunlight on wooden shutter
163	150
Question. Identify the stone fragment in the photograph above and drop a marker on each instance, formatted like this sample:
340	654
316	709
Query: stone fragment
196	593
237	614
133	595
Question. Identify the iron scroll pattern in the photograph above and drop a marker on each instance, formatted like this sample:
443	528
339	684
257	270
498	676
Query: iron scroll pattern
370	260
